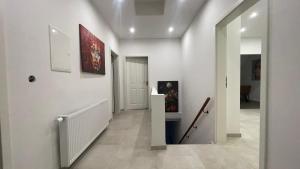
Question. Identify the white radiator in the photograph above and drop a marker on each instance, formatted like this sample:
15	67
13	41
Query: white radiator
79	129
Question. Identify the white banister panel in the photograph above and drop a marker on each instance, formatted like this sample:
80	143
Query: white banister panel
79	129
158	126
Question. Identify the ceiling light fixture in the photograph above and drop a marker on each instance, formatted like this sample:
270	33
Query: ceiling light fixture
243	30
171	29
132	30
253	15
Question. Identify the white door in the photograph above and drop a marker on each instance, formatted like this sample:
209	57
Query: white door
137	83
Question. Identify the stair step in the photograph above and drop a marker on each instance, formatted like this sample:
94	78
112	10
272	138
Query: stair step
176	116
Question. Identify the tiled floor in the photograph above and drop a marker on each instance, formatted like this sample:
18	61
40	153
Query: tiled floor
250	105
125	145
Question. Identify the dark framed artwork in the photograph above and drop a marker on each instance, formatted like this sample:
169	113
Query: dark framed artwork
92	51
256	69
170	89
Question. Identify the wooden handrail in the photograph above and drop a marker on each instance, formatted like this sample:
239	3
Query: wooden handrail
195	120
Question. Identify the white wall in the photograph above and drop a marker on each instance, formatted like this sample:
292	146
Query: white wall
233	76
199	70
283	86
250	46
164	59
35	106
158	120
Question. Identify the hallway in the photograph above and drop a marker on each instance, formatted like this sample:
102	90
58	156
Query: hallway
126	146
64	71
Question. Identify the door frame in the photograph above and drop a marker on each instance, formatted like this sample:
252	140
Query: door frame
125	80
115	83
220	43
5	135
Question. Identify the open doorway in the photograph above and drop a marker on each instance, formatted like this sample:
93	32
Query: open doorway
137	87
250	81
115	82
241	78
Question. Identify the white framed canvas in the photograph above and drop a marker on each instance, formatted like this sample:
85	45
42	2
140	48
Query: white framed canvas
60	50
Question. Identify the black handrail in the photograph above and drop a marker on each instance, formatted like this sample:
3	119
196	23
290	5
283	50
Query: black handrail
195	120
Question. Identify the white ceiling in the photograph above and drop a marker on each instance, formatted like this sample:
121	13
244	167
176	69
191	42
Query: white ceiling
122	16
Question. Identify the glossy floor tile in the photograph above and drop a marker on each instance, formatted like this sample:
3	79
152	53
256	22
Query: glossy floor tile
126	145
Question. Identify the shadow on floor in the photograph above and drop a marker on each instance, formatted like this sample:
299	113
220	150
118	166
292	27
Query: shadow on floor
250	105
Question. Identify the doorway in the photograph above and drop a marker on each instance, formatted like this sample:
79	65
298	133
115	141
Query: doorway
137	83
115	82
230	33
250	81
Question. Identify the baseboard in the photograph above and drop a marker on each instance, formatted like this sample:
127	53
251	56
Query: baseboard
234	134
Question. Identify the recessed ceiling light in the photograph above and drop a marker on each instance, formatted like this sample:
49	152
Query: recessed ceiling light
132	30
171	29
243	30
253	15
53	30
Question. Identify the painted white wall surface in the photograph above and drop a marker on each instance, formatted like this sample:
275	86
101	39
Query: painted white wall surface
233	76
283	86
164	59
250	46
199	70
34	107
158	120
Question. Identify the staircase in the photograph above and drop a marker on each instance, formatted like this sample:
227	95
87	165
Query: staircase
202	110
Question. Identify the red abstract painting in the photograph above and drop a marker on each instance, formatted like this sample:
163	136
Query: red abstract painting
92	52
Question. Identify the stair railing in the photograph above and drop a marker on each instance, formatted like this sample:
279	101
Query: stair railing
195	120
